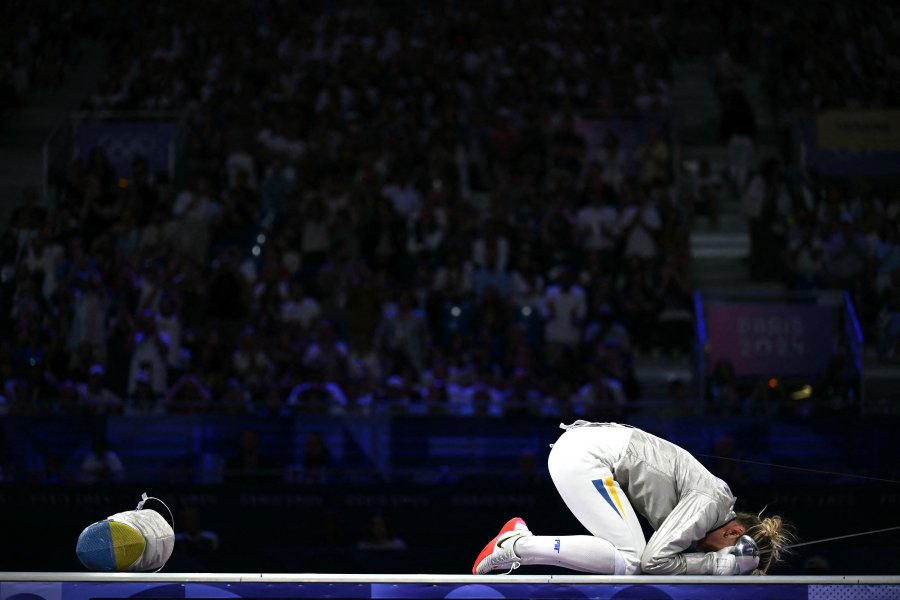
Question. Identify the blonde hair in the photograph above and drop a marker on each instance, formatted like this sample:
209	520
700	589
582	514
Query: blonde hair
772	536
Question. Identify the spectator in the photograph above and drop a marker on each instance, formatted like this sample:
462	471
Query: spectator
426	231
69	401
98	399
102	464
248	465
521	397
738	130
806	258
565	308
318	394
235	400
171	326
706	192
194	210
639	224
143	401
888	340
150	354
188	396
604	328
195	547
43	259
227	295
847	254
723	393
250	360
299	306
678	401
637	295
597	225
653	158
315	240
765	203
318	465
612	159
602	398
402	193
89	304
379	535
675	320
402	334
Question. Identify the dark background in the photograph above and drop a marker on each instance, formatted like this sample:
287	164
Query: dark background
444	506
294	267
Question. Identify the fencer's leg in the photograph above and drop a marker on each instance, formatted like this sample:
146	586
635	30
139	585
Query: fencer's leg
577	552
579	465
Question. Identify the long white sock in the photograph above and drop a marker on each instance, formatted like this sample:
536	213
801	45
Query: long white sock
577	552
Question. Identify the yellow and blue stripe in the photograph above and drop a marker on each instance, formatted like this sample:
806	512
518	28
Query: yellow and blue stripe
607	489
109	546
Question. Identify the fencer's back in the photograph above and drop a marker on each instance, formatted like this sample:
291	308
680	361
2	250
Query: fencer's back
656	474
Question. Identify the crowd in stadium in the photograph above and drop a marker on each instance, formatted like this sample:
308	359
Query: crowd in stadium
374	219
388	210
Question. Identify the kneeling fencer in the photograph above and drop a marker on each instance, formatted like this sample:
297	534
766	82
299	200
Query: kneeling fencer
604	472
134	540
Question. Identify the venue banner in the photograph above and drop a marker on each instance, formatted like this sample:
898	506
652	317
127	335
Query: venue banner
859	130
771	339
852	143
125	140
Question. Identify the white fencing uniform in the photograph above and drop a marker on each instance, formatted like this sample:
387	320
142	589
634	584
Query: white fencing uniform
606	472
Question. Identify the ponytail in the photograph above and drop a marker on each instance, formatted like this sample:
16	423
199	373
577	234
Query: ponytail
772	536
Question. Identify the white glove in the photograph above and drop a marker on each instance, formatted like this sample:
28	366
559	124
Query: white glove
739	559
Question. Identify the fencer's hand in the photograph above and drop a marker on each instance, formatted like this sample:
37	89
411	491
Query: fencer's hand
740	559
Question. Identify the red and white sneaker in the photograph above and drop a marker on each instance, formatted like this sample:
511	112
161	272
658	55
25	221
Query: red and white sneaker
499	555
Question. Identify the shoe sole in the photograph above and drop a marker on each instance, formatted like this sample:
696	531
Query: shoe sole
489	548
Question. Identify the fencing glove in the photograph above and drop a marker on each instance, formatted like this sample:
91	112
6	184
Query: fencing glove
134	540
739	559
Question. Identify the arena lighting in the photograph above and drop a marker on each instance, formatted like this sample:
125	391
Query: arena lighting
455	311
773	382
803	393
526	311
256	250
261	238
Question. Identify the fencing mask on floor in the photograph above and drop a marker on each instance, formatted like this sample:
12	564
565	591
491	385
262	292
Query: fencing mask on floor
134	540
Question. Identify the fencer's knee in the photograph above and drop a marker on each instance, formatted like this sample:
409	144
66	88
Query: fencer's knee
627	563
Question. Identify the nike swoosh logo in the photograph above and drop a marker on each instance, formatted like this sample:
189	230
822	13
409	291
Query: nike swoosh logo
506	539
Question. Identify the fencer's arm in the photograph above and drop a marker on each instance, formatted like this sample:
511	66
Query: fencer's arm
692	518
740	559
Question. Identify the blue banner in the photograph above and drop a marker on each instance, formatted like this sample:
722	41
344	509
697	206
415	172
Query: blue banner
123	141
831	161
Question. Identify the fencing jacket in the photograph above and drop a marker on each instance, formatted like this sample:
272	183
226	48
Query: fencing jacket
680	499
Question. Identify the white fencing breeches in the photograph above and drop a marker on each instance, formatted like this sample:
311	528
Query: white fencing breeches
581	464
